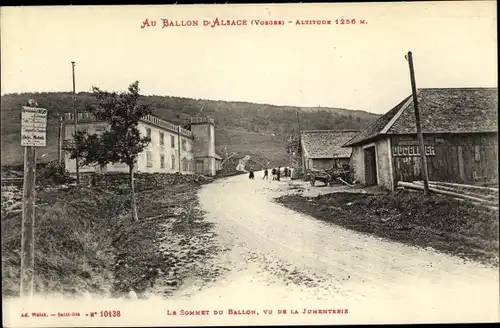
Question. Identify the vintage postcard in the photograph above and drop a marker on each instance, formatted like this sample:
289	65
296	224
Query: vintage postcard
267	164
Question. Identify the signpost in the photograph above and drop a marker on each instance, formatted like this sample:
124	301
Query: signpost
33	134
33	126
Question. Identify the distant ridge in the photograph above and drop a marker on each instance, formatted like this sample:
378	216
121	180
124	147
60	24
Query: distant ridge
257	130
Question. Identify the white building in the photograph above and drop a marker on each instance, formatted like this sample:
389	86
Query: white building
172	147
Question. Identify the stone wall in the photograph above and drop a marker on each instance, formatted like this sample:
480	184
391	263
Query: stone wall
357	164
384	176
143	181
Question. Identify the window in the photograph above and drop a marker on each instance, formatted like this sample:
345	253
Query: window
477	153
162	141
162	161
173	162
184	164
149	159
184	145
172	141
148	133
100	129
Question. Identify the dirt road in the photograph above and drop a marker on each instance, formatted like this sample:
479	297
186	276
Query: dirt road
279	258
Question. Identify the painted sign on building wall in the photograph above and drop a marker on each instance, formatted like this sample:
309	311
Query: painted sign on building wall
407	146
33	126
412	150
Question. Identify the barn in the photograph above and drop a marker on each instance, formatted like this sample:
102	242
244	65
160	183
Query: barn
460	132
320	147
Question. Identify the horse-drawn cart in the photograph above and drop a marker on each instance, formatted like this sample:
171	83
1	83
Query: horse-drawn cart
328	177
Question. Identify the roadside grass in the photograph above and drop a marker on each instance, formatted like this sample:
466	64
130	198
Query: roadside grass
167	243
73	251
85	241
139	261
444	224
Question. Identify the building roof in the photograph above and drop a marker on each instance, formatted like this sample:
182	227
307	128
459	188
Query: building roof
325	143
162	124
448	110
85	117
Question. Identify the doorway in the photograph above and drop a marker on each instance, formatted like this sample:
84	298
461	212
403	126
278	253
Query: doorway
199	167
370	166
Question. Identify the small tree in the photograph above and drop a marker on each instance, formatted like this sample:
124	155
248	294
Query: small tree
122	142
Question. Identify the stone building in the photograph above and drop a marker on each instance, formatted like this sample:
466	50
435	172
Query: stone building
187	150
206	161
320	147
460	128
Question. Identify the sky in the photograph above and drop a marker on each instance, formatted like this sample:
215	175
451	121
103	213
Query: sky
355	66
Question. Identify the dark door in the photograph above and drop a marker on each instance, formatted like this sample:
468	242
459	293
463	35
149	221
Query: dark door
370	167
199	167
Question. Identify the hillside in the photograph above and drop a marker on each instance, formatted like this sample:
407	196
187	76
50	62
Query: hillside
257	130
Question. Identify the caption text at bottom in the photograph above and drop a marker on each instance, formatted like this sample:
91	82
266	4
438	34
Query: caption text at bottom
182	312
256	312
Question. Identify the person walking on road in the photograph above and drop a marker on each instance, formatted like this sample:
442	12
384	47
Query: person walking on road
278	173
273	172
251	175
266	175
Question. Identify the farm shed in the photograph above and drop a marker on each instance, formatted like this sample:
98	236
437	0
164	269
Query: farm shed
460	137
318	148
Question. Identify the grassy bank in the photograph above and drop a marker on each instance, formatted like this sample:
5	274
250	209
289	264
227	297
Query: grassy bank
170	243
86	241
73	250
444	224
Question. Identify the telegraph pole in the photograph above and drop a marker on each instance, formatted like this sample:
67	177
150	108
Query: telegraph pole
419	128
59	140
76	125
298	121
299	139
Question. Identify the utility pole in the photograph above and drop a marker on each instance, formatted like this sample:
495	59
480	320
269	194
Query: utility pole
59	140
298	121
298	124
179	145
76	125
419	128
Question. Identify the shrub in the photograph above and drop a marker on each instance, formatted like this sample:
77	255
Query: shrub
53	173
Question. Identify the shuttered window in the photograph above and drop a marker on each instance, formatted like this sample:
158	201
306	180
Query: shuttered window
477	153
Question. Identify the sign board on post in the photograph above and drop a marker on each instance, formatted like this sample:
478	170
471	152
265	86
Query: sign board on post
33	126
